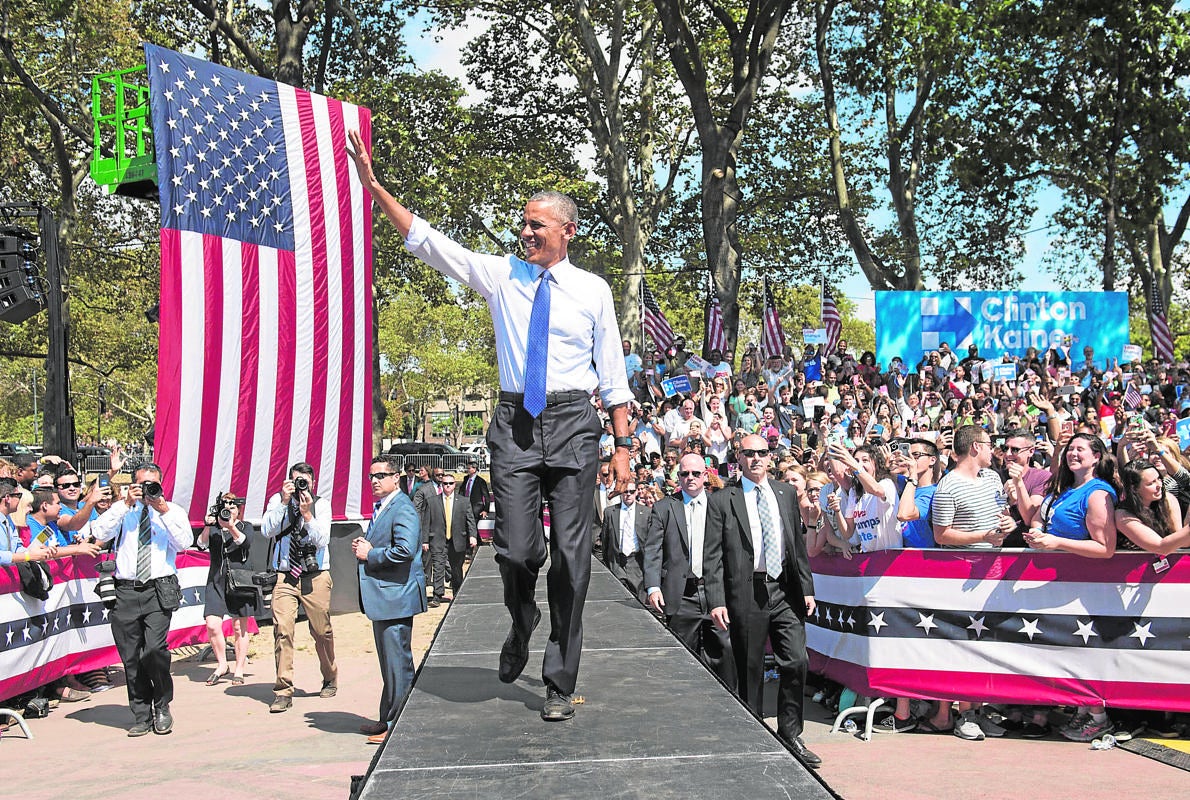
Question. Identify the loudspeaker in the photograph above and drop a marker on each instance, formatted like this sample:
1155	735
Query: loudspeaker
20	303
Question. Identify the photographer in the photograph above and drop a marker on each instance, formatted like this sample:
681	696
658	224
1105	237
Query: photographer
302	528
149	533
226	537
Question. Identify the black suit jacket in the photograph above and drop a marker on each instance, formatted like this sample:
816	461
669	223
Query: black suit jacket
479	495
727	552
667	550
611	535
462	523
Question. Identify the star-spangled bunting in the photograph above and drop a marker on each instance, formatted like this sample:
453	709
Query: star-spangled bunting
1052	629
265	333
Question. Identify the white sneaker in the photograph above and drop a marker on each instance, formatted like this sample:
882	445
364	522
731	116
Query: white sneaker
965	727
986	725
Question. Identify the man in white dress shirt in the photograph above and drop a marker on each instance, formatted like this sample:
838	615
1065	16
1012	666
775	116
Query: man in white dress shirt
557	342
149	532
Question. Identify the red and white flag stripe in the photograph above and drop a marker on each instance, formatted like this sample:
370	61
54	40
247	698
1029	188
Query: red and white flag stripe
1048	628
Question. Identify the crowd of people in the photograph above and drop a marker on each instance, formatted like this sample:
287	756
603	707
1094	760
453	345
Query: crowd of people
1073	454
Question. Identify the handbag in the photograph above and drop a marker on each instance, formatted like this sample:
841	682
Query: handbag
241	580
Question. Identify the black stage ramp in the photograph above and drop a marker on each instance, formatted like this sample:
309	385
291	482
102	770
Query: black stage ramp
655	723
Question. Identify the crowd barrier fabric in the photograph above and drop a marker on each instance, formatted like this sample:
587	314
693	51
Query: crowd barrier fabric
69	633
1005	626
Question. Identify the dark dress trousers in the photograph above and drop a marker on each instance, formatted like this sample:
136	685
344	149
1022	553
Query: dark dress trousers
757	606
667	565
630	569
554	459
476	490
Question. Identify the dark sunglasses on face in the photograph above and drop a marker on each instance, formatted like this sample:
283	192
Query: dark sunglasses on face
689	473
754	453
379	476
72	485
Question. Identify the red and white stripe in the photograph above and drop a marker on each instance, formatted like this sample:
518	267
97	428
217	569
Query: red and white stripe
773	337
1115	594
831	320
1159	324
70	650
716	333
265	354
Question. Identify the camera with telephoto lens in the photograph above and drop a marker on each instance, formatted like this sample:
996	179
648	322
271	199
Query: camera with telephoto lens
151	491
301	484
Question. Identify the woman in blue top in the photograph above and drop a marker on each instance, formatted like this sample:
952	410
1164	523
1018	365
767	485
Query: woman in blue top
1078	513
1078	516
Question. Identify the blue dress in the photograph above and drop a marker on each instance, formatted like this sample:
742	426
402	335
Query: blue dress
1066	514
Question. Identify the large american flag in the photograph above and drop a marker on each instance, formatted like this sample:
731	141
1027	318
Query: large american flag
716	333
1010	627
1158	324
772	339
656	325
831	321
266	287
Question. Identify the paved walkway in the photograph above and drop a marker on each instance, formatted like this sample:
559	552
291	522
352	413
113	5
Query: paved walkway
225	744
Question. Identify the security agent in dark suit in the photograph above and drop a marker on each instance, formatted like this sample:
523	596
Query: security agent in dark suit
758	582
451	523
624	540
433	544
392	589
674	569
475	489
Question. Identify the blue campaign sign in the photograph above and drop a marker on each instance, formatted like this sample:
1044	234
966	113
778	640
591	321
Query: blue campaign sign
1183	429
910	323
679	384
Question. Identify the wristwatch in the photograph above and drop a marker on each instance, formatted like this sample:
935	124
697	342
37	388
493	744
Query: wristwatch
623	441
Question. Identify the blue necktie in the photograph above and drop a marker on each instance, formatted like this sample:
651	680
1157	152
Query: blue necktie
537	348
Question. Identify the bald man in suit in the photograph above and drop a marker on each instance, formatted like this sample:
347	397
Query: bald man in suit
758	583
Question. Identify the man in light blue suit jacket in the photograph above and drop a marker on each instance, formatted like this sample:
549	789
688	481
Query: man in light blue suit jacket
392	588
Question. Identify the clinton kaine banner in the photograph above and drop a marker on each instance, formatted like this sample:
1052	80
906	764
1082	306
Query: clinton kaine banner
1011	626
910	323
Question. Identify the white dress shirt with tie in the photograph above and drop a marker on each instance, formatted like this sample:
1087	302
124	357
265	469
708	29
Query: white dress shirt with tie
750	490
585	351
170	533
628	542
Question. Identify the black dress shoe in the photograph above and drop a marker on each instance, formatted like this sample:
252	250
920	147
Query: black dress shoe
140	728
434	602
557	706
515	652
804	754
163	721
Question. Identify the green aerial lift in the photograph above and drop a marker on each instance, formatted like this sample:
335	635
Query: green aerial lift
123	161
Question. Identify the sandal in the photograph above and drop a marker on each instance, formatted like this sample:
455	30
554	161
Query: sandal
215	676
237	680
926	726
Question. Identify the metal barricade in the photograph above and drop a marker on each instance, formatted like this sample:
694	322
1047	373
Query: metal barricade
455	462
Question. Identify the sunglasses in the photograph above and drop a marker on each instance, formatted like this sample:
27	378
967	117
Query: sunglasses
379	476
753	453
448	483
73	485
689	473
1014	450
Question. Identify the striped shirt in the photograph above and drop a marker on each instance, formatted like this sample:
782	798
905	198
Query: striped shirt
969	505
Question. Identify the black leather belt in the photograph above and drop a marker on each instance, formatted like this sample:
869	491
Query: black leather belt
551	398
692	585
124	583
